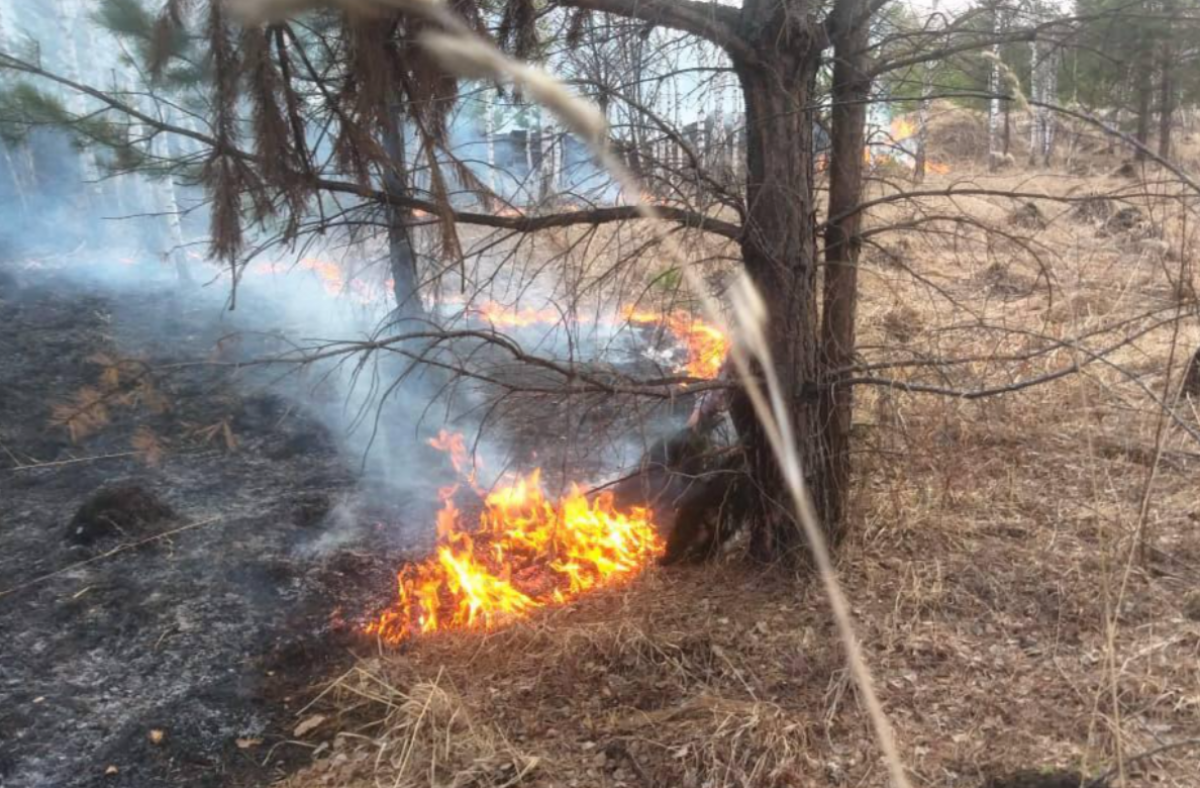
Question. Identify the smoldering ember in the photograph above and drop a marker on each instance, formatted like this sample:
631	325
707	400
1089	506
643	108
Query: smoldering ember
594	393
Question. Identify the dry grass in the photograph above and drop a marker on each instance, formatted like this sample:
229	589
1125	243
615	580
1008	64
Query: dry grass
1007	613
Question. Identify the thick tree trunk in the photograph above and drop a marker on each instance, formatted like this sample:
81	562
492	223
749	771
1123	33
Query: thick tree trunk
850	91
779	253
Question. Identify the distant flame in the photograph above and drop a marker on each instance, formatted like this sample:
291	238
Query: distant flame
706	344
527	552
500	315
902	129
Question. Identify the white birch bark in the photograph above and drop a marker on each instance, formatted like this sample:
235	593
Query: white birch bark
67	17
546	165
921	155
489	131
719	137
162	195
995	116
10	161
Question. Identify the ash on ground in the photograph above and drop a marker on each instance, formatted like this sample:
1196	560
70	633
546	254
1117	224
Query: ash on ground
167	638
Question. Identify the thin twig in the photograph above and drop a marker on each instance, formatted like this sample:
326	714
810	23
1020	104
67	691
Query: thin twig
119	549
60	463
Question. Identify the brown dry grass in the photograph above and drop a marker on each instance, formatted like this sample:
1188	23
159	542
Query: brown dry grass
1008	617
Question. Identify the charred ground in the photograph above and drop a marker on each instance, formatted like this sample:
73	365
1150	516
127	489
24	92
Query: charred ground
204	613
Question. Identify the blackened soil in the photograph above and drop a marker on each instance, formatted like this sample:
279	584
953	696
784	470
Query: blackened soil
209	620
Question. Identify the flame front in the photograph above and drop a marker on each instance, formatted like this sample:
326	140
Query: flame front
706	344
527	552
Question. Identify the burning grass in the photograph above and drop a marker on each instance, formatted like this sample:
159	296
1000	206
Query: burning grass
1008	617
526	552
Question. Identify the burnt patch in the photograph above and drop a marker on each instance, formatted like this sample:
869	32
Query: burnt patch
103	647
122	510
1029	217
310	509
1093	209
1049	778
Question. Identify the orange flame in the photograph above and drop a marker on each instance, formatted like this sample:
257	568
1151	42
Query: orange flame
706	344
452	443
500	315
526	553
902	129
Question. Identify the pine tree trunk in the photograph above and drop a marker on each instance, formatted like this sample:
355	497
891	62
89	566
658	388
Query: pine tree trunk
402	258
779	254
850	90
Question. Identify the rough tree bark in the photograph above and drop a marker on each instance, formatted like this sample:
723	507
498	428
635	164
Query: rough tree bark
850	90
779	254
402	258
775	47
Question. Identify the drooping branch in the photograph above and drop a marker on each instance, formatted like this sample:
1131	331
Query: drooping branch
530	224
527	224
710	21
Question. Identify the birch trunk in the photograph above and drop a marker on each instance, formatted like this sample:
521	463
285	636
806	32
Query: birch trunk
489	131
67	17
995	116
921	153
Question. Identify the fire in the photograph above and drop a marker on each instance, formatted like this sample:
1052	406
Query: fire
328	272
646	197
902	129
500	315
452	443
527	552
707	345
